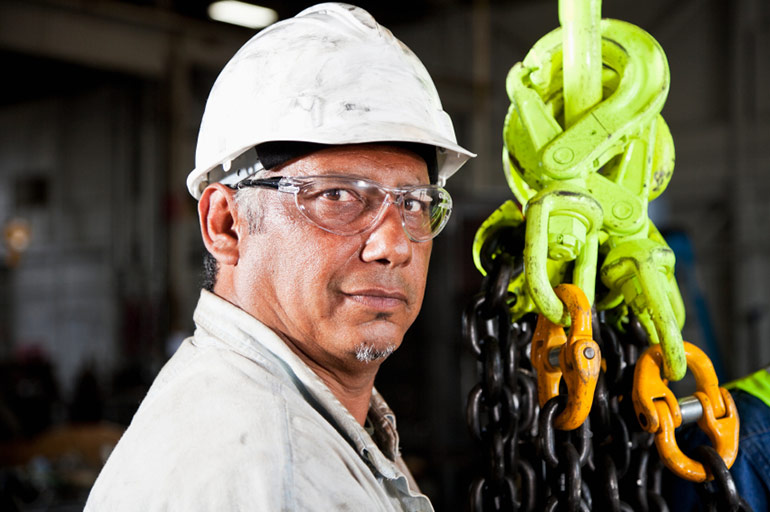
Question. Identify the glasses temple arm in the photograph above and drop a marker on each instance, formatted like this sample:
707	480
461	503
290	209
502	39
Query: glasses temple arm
273	183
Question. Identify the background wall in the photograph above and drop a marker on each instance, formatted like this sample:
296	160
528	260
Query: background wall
98	121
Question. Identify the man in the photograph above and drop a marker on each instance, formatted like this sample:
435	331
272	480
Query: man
319	167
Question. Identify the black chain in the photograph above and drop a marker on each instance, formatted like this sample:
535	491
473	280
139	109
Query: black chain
494	404
720	495
608	463
565	454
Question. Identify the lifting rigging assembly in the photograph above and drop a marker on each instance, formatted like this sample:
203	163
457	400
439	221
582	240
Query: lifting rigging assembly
570	421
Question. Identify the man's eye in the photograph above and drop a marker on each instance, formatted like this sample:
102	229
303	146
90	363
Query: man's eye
339	194
413	205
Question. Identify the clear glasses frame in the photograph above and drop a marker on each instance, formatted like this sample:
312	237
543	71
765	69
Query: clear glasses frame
349	205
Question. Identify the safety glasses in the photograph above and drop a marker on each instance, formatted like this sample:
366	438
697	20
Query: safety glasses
346	205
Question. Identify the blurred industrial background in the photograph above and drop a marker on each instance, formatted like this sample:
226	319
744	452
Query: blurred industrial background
100	255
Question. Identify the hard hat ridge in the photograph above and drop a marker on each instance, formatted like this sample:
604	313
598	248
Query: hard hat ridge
331	75
357	18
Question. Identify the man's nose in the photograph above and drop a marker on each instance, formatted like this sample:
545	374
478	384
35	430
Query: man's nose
387	242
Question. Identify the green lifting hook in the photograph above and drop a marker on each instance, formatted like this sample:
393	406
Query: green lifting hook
585	151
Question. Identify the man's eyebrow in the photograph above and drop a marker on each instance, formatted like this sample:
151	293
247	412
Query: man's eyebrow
356	175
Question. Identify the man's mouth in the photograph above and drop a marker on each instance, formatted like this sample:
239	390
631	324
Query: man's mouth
376	298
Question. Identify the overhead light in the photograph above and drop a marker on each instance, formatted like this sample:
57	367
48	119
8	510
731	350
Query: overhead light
241	13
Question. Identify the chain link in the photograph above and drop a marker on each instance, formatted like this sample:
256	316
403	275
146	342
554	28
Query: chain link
720	494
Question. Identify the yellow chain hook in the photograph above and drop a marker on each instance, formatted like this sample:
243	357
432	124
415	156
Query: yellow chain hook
579	358
659	412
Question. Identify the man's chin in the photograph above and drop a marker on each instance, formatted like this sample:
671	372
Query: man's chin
372	352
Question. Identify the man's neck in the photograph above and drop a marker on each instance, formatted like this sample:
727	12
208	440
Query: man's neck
355	397
351	384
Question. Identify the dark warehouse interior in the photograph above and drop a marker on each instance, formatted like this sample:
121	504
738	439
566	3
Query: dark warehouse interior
101	257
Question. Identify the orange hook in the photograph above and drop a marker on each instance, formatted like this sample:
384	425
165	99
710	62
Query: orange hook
579	358
659	413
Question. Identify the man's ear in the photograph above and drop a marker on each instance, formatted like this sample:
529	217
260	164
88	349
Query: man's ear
217	213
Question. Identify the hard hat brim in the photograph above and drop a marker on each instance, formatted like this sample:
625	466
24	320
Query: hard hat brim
450	157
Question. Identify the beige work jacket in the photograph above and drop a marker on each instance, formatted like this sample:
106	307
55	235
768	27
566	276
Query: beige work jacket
235	421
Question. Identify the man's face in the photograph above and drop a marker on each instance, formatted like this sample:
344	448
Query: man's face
339	300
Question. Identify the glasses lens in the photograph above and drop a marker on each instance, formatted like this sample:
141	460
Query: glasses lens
425	212
340	205
348	206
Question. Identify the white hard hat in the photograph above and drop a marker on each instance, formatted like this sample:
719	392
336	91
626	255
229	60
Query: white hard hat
330	75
